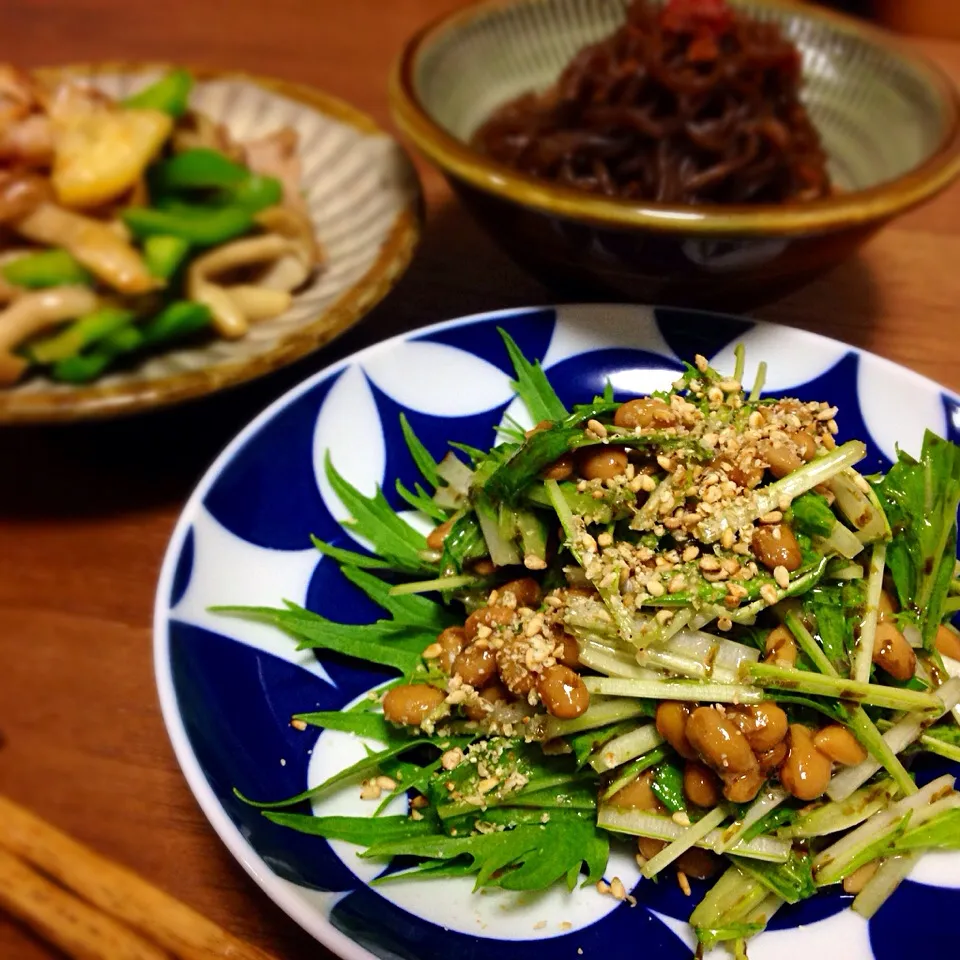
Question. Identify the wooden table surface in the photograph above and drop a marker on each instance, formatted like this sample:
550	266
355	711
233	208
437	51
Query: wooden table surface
85	512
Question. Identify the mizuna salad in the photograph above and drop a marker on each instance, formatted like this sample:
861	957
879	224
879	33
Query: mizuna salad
683	622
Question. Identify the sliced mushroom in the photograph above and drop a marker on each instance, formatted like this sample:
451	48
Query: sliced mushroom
33	312
94	243
196	130
293	270
229	315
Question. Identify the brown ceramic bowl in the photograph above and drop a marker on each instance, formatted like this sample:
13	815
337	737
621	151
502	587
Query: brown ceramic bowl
888	118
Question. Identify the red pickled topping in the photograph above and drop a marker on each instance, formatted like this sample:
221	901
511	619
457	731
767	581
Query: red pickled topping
696	16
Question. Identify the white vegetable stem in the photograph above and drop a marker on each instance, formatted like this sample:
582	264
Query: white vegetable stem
748	508
767	801
868	628
674	690
897	738
626	747
883	884
691	836
639	823
829	864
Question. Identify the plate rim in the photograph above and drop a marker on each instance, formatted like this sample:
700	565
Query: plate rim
279	890
349	308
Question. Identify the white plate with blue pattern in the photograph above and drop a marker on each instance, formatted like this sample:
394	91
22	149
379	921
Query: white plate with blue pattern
228	687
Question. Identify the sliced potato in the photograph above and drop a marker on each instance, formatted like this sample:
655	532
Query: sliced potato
101	153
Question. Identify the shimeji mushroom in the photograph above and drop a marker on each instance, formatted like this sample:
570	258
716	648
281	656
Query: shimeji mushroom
30	313
286	256
101	247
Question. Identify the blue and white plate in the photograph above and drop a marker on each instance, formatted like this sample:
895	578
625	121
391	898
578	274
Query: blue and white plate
229	688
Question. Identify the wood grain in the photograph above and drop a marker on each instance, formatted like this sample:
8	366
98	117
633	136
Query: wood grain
85	511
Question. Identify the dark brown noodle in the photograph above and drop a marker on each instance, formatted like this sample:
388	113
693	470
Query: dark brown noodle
690	103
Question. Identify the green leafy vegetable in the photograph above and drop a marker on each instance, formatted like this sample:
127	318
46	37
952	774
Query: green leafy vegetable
532	385
668	786
920	498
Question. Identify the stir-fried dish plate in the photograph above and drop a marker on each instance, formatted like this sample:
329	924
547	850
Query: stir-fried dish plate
600	626
168	232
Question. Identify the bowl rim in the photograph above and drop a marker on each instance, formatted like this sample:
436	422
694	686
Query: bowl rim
352	304
861	207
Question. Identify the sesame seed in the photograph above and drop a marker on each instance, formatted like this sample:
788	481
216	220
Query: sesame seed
769	594
727	539
432	652
832	427
690	553
298	724
597	428
828	413
605	539
664	616
534	626
784	503
724	624
677	584
386	783
827	440
730	565
701	363
715	395
665	463
617	889
484	632
782	576
755	420
729	386
684	883
603	886
681	818
451	758
774	516
709	563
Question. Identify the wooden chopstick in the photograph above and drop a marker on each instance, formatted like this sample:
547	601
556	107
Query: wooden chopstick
117	891
78	929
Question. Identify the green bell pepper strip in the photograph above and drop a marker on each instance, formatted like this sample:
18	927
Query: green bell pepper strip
199	169
46	268
79	335
170	94
88	366
163	254
256	193
175	321
199	226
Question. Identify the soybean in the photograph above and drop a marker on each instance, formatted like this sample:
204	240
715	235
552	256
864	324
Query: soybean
411	703
839	744
719	742
602	463
476	665
562	692
892	652
671	720
806	771
700	784
775	546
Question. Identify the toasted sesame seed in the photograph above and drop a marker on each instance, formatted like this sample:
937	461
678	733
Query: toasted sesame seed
684	883
665	463
553	601
534	626
672	523
681	818
298	724
700	361
617	889
432	652
729	386
828	413
741	548
709	563
784	502
691	553
369	790
727	539
755	420
677	584
827	440
487	784
603	886
724	624
782	576
769	594
484	632
386	783
655	588
730	565
832	427
774	516
664	616
597	428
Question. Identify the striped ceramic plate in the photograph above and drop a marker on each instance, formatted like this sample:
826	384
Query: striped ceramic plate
364	200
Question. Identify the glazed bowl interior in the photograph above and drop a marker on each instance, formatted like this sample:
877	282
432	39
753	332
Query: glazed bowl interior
881	114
